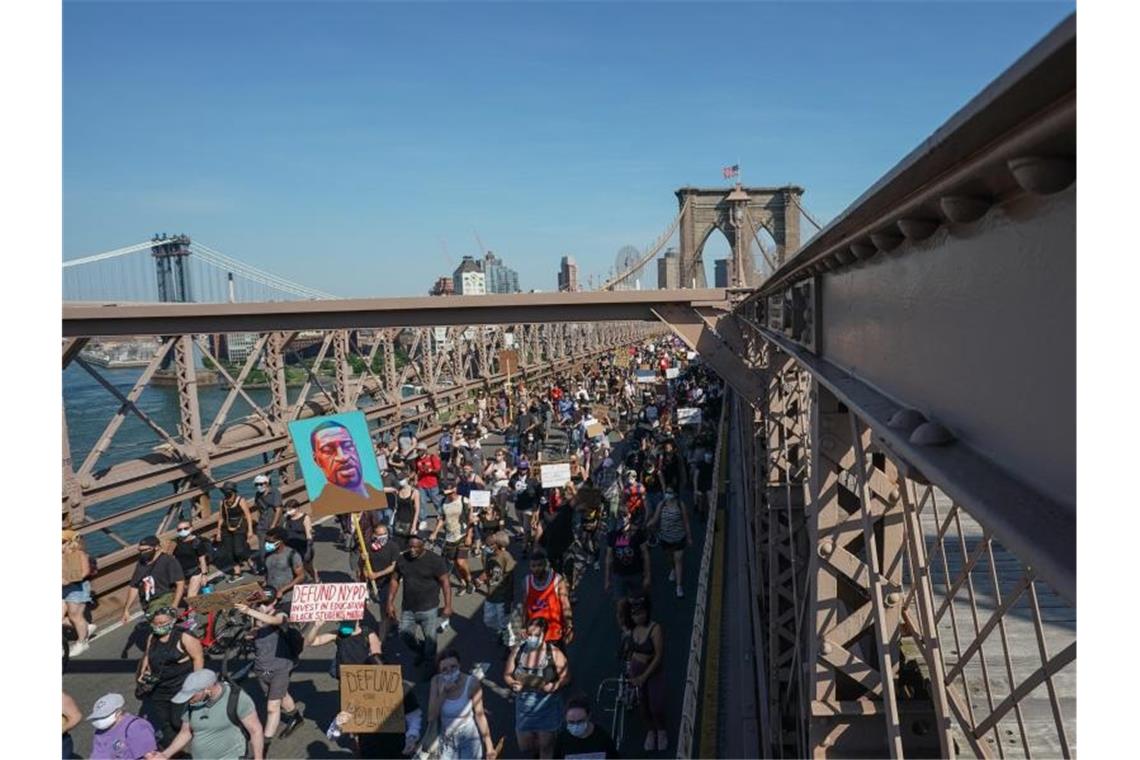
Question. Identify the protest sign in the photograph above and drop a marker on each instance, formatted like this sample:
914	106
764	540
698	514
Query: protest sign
646	376
690	355
338	464
594	429
373	695
555	475
688	416
600	410
480	498
621	360
328	601
672	373
224	598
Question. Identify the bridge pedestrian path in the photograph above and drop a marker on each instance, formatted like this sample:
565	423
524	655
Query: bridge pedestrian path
109	664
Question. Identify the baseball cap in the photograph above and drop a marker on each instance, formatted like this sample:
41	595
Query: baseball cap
194	683
106	706
229	487
261	479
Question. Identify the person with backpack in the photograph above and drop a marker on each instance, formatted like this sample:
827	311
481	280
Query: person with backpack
118	734
170	654
277	649
221	720
78	569
284	565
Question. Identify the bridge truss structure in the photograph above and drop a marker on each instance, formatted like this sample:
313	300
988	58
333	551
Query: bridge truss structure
903	399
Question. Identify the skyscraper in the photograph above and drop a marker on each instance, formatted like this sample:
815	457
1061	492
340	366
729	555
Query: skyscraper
720	273
568	275
469	278
499	277
669	270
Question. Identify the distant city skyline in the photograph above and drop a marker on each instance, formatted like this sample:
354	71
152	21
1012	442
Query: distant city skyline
338	147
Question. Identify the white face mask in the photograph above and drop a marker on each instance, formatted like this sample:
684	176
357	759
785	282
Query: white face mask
101	724
451	678
533	641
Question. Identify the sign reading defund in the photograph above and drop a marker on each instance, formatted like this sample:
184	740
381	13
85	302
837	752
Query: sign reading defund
373	695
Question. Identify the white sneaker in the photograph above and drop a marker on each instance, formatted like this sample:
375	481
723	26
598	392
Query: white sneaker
91	630
672	575
680	592
78	648
650	741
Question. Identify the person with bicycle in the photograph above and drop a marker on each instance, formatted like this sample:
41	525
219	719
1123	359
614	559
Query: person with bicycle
647	670
170	654
536	671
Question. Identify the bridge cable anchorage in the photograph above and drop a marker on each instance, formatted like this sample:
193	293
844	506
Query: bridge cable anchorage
651	254
261	277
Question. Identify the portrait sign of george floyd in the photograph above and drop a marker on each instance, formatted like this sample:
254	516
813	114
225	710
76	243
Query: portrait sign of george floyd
337	463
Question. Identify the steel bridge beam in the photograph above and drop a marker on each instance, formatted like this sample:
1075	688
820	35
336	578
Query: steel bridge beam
106	320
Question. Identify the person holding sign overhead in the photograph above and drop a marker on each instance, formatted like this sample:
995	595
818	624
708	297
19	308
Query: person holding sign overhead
336	454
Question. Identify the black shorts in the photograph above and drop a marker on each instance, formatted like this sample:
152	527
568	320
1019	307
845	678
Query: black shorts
672	547
455	551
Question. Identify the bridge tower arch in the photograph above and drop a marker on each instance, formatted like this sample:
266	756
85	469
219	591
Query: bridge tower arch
736	212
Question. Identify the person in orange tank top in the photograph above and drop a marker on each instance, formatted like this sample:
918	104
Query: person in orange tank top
547	596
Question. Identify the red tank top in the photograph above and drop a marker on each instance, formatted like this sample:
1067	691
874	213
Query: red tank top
544	603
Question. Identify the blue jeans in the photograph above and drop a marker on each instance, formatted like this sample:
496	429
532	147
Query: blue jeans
427	621
431	500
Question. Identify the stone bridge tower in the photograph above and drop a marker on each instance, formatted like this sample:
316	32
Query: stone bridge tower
734	211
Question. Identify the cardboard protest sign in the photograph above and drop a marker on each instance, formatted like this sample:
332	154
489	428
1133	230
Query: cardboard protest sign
594	429
338	464
555	475
621	360
600	410
688	416
672	373
328	601
690	355
480	498
223	599
373	695
509	362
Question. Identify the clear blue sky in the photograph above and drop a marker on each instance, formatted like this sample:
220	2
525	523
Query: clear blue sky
338	144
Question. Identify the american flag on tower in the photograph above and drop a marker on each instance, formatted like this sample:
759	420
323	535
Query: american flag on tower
731	171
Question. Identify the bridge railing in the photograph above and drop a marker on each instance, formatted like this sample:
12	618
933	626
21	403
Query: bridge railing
109	496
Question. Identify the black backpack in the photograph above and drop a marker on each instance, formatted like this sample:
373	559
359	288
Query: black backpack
231	707
294	641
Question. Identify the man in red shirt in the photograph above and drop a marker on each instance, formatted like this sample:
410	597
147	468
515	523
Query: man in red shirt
427	480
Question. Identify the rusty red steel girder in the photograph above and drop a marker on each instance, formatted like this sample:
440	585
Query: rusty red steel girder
450	365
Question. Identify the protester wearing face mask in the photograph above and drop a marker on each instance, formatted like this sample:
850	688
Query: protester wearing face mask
456	703
284	567
647	670
273	663
582	737
407	517
298	527
498	583
267	500
235	531
169	655
208	731
382	555
672	522
548	596
193	557
535	672
354	645
119	734
627	561
157	580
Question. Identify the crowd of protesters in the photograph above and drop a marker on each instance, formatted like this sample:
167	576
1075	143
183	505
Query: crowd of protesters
639	432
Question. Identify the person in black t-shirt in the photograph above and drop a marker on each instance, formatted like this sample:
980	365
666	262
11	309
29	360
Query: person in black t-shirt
193	557
583	739
627	561
157	581
383	553
424	575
